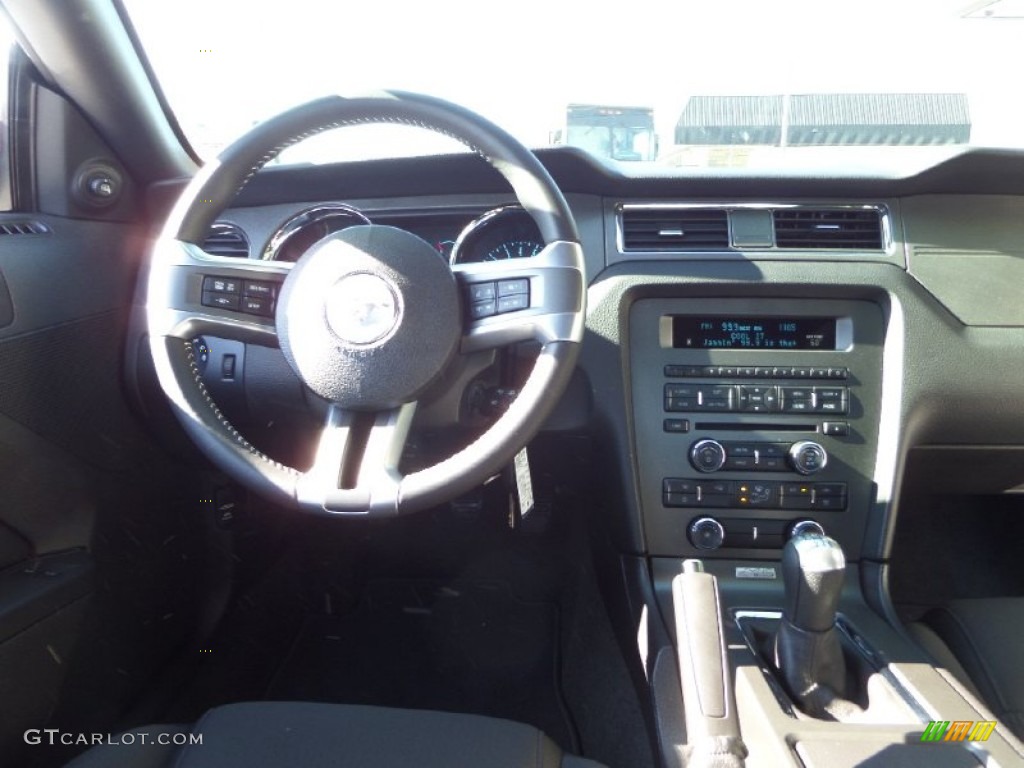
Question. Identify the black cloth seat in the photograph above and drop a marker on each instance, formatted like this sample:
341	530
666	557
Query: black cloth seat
982	640
294	734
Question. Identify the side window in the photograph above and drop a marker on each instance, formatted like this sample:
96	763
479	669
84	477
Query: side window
6	45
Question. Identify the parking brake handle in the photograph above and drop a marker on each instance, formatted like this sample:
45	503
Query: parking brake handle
712	725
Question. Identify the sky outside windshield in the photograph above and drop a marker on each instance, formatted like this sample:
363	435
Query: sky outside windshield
224	65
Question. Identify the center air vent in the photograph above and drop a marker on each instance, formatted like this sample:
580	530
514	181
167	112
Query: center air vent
226	239
846	228
674	229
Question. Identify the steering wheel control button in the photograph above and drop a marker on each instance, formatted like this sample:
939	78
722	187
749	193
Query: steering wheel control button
706	533
220	285
514	287
257	306
482	309
807	457
707	455
513	303
362	308
220	300
259	289
481	292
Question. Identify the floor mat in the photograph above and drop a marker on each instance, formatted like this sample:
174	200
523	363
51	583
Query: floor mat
459	646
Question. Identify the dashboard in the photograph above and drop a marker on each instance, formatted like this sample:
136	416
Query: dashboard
765	356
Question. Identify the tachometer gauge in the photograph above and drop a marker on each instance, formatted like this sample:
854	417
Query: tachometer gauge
503	233
301	231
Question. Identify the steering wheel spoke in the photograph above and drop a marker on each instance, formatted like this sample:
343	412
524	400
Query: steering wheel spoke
355	470
202	294
538	298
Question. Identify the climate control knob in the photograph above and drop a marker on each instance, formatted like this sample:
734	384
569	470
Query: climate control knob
707	455
706	533
807	457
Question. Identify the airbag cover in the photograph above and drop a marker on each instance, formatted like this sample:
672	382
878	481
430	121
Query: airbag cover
369	317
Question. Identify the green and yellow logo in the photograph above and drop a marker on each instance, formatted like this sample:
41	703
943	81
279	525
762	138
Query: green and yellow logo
958	730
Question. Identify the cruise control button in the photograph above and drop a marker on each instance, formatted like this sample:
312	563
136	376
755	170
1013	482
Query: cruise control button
512	303
513	287
258	289
481	291
257	306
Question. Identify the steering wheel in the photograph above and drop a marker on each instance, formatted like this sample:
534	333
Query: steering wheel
368	318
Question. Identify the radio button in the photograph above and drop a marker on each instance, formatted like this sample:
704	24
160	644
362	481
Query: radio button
738	450
819	373
740	462
835	428
676	425
807	457
707	455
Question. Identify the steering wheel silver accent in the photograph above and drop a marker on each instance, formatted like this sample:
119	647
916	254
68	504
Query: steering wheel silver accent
356	468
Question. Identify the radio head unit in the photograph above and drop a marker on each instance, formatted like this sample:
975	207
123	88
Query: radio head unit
771	332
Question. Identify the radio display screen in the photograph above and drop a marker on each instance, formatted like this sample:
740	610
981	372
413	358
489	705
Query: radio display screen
747	332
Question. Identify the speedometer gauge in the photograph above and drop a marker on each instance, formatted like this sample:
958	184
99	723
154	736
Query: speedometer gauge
514	249
499	234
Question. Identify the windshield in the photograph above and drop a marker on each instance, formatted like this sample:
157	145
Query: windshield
733	83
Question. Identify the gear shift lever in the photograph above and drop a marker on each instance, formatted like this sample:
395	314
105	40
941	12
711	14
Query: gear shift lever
807	651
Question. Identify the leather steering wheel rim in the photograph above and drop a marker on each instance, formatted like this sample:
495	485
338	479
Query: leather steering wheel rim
556	276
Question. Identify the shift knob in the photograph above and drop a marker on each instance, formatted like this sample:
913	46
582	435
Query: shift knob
812	574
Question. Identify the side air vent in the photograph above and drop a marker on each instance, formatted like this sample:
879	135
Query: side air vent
846	228
226	240
674	229
23	228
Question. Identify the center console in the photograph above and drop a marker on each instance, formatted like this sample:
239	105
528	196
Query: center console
754	420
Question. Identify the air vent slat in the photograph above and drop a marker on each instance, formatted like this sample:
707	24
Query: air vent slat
226	239
848	229
23	228
668	229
